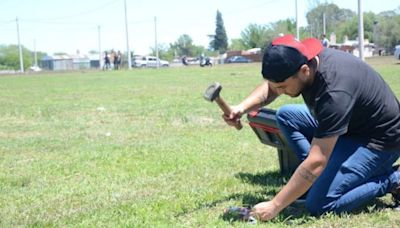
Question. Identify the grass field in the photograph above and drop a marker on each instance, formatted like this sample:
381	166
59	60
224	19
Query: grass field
142	148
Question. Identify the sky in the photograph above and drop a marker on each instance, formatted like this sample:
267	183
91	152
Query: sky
71	25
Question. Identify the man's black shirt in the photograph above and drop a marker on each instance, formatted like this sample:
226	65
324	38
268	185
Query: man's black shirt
349	98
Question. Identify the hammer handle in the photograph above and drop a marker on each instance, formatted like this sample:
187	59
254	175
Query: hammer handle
227	110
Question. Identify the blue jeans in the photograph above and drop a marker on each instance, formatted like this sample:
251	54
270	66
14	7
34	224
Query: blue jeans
354	175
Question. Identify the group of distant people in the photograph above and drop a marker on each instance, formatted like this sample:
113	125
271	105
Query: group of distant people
112	60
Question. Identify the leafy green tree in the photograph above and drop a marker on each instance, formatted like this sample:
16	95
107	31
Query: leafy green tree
220	41
237	44
184	46
254	36
369	22
387	30
163	52
258	36
334	16
9	57
349	28
382	29
40	55
287	26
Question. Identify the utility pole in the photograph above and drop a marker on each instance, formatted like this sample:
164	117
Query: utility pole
100	57
360	31
35	53
297	23
155	38
21	60
127	39
324	18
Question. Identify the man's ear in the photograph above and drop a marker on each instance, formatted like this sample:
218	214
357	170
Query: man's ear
305	69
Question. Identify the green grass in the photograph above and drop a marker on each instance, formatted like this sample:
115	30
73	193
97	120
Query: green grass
142	148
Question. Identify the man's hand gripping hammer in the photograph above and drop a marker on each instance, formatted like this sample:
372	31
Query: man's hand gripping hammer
212	94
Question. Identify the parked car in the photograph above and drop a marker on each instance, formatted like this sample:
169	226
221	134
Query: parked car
397	52
149	61
35	69
238	59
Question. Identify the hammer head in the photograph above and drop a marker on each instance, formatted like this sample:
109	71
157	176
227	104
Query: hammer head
212	91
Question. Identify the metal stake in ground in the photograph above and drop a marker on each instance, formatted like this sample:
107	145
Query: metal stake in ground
212	94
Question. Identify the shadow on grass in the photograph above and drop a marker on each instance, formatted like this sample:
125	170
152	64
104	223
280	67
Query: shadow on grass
271	179
373	206
295	214
247	200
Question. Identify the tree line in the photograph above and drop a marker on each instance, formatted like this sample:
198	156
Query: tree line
383	29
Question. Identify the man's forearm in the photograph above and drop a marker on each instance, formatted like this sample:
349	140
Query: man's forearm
307	172
260	97
298	184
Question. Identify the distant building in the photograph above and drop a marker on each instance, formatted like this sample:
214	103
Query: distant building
70	62
352	46
57	62
80	62
94	61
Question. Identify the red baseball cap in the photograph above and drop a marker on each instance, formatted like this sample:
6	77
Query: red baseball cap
285	55
309	47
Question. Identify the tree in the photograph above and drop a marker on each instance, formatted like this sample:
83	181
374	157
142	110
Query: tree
163	52
254	36
258	36
349	28
387	30
382	29
9	57
237	44
220	41
184	46
287	26
40	55
334	16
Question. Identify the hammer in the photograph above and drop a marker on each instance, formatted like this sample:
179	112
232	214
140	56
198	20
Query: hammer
212	94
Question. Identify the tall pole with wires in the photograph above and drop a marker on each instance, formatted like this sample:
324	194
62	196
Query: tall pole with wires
127	39
35	53
297	22
21	59
360	31
99	39
155	41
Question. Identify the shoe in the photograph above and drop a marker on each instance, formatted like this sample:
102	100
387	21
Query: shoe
396	190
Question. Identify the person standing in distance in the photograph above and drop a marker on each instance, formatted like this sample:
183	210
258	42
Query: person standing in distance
325	42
